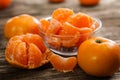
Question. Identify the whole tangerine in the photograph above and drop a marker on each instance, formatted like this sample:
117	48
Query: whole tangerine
5	3
99	57
56	1
21	24
89	2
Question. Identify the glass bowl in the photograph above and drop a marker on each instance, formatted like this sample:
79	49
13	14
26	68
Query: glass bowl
68	45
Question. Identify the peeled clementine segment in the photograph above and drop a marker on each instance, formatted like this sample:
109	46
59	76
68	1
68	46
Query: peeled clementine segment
11	48
63	64
44	24
80	20
70	35
86	33
54	41
27	51
35	39
62	14
94	25
71	41
21	57
54	27
68	30
85	30
34	56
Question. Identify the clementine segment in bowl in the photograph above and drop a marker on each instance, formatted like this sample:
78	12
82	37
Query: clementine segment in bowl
54	27
86	33
67	29
80	20
44	24
70	35
26	51
61	14
63	64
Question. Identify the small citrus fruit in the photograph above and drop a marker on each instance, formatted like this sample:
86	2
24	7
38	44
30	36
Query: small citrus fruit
89	2
5	3
21	24
99	57
56	1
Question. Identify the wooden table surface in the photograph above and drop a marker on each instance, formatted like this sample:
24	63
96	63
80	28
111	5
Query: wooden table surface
108	11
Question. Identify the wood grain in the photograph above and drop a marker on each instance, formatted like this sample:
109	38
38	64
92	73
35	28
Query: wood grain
108	11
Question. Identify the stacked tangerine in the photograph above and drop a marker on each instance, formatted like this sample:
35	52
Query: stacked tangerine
72	29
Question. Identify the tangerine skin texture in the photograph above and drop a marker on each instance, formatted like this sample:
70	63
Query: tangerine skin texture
99	59
21	24
26	51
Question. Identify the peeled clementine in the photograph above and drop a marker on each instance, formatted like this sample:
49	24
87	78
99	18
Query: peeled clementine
99	56
21	24
63	64
27	51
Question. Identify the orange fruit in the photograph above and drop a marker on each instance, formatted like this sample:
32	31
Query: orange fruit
89	2
21	24
80	20
44	24
56	1
61	14
63	64
99	57
5	3
26	51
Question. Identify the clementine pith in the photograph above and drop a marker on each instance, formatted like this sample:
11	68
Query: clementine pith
99	56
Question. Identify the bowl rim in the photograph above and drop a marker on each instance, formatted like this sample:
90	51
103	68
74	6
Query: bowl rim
94	18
